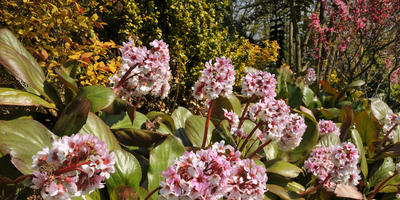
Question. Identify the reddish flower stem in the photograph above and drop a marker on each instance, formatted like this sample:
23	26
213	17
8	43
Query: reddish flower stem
379	187
207	124
71	168
151	193
259	148
241	121
123	79
385	137
316	187
250	134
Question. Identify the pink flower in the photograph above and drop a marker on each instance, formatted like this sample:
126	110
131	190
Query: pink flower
74	165
327	126
310	76
293	132
217	80
213	174
233	120
149	70
391	120
275	114
338	163
259	83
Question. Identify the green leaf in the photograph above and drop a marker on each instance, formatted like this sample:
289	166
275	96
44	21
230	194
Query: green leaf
381	170
308	97
391	185
72	118
161	158
368	128
122	121
330	139
138	137
100	97
15	97
230	103
380	109
330	113
194	127
22	139
127	171
19	62
95	126
166	118
357	141
271	150
355	84
282	192
283	168
68	81
295	96
179	116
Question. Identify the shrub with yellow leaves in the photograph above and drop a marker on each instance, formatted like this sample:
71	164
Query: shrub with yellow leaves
58	31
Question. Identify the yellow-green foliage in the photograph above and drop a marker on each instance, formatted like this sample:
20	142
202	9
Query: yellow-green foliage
57	31
245	54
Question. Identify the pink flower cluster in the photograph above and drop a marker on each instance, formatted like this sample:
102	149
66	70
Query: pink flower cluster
327	126
337	163
71	167
293	133
143	71
217	79
214	173
275	114
391	120
259	83
310	76
233	120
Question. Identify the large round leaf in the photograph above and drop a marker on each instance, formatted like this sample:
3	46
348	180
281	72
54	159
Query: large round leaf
127	171
194	127
180	115
230	103
95	126
380	109
161	158
9	96
100	97
369	128
169	121
19	62
23	138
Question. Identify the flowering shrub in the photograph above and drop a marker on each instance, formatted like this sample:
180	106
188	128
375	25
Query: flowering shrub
214	173
143	71
71	167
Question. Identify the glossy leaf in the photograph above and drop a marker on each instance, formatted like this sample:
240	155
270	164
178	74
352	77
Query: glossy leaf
194	128
165	119
355	84
127	171
95	126
161	158
122	121
230	103
68	81
347	117
357	141
283	168
380	109
72	118
19	62
100	97
381	170
368	128
138	137
179	116
330	139
9	96
330	113
22	138
348	191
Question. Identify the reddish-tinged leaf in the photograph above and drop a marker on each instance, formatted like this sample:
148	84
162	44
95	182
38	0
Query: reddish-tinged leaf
347	191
